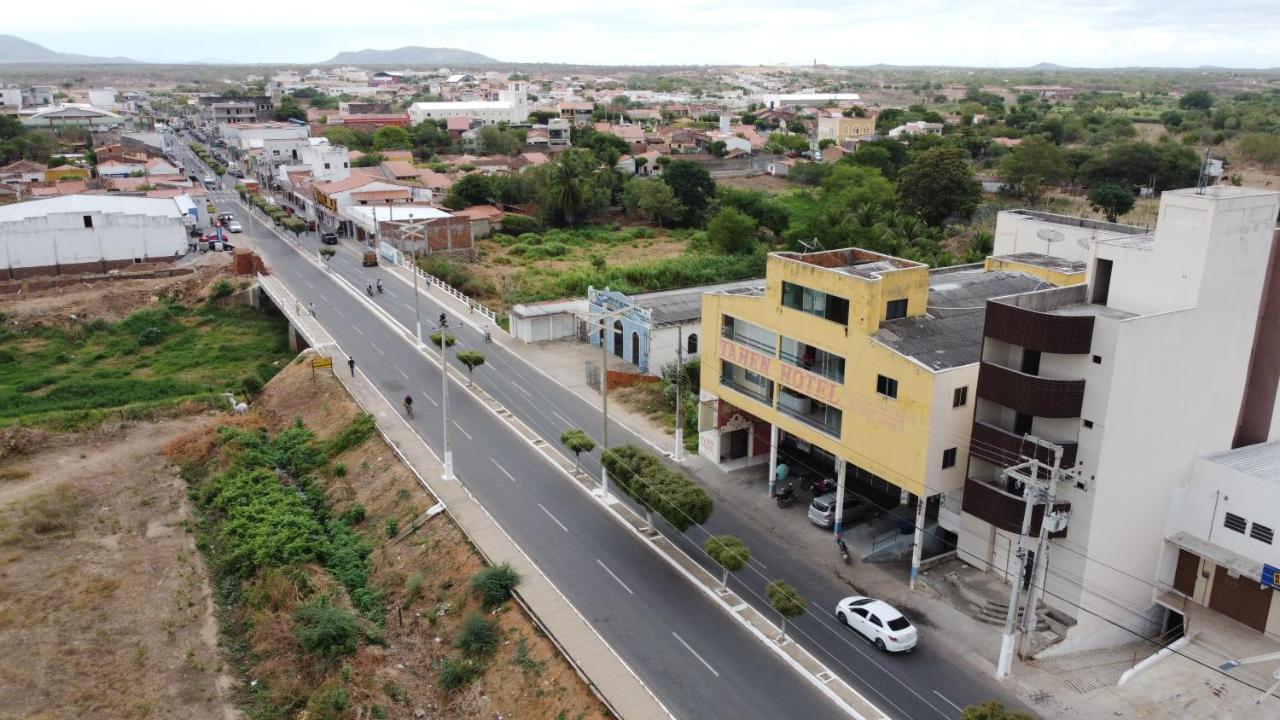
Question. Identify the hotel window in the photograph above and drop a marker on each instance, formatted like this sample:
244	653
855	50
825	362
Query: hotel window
895	309
948	458
815	302
960	396
886	386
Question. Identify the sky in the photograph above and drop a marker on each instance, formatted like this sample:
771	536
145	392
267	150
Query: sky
975	33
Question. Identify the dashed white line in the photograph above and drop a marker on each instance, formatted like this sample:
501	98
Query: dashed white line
557	521
308	284
504	470
695	654
563	419
948	701
615	577
521	389
375	347
322	297
433	402
464	432
353	327
405	374
339	312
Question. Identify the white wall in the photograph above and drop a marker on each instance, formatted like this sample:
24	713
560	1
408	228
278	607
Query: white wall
1216	490
1016	233
949	427
62	239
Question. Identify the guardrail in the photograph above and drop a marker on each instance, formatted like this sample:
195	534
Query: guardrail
443	286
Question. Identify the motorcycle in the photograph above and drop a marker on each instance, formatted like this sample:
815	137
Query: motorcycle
818	486
785	497
379	286
844	549
369	289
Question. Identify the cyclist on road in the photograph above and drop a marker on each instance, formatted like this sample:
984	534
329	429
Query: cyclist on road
408	405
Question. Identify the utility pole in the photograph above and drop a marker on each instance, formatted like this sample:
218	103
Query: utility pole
604	406
679	453
444	403
1015	584
1037	588
1034	492
411	233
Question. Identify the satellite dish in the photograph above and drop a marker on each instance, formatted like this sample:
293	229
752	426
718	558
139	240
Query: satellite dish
1050	235
1084	242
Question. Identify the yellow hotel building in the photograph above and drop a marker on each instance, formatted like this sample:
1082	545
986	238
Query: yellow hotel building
857	365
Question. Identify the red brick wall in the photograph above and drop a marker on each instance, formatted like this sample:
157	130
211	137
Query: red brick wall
619	379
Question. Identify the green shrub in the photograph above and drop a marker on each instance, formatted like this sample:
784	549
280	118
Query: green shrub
393	527
251	385
520	224
494	583
360	428
221	289
477	637
340	470
456	671
325	630
354	516
338	698
150	336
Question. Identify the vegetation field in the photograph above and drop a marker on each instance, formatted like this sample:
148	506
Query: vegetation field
165	355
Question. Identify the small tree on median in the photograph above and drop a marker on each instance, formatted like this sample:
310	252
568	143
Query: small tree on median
472	359
440	339
729	553
992	710
577	442
786	601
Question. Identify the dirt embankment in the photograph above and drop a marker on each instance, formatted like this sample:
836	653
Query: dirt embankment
425	579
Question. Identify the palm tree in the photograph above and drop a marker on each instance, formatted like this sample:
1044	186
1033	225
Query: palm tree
567	198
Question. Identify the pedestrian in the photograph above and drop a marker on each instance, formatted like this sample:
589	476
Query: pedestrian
312	306
351	363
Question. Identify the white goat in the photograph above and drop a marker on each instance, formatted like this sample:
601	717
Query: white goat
239	408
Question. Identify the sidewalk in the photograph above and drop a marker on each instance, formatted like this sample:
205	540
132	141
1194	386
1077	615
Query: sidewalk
612	681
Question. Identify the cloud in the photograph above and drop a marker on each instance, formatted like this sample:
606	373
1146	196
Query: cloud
1089	33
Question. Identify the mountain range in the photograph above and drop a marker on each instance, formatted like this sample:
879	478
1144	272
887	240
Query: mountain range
410	55
14	49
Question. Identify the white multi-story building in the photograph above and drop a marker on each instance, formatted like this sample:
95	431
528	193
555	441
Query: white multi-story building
512	107
1151	365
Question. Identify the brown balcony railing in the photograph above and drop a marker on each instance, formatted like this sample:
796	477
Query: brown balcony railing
1034	330
1004	448
1030	394
1003	509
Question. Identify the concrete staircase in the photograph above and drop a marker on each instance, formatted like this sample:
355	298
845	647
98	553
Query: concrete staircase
992	611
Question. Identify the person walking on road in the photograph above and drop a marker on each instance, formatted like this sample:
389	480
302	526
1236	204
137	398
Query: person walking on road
351	363
312	307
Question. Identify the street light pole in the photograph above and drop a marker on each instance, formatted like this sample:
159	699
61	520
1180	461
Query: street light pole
678	455
444	404
604	406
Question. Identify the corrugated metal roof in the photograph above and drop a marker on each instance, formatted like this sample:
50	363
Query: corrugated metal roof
1261	461
161	207
685	304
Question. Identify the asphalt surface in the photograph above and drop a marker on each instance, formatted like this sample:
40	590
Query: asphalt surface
696	658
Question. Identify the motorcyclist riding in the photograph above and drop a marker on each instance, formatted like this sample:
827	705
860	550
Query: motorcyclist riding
368	288
379	286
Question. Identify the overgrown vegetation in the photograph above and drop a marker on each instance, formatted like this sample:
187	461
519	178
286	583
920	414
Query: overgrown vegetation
158	357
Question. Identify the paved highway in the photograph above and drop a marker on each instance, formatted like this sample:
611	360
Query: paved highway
700	662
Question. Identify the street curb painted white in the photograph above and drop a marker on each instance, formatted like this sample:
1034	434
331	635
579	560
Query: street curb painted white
546	448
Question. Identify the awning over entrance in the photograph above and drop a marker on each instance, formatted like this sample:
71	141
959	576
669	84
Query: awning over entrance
1221	556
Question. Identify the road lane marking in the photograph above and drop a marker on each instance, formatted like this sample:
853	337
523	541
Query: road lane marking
695	654
357	329
433	402
521	389
557	521
948	701
308	284
322	297
406	375
615	577
563	419
464	432
375	347
344	317
504	470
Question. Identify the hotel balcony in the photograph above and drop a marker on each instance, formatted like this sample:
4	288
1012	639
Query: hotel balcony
1030	394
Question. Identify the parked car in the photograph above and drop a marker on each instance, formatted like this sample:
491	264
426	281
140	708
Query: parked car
329	238
877	621
234	226
822	511
210	182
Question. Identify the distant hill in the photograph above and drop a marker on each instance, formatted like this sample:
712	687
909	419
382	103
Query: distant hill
14	49
410	55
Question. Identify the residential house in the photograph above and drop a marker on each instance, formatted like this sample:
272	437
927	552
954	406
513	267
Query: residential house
415	229
23	172
158	166
918	127
576	113
833	125
73	114
225	109
1047	92
512	107
332	198
364	107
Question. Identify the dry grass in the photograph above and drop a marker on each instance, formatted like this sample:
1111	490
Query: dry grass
46	514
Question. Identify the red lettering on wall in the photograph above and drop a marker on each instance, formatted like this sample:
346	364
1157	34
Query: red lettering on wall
758	363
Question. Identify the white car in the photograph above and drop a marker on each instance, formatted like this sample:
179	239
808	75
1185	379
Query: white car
877	621
234	226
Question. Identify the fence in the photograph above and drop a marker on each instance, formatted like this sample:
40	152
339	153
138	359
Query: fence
443	286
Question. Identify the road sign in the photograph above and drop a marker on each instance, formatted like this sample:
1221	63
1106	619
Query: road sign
321	361
1271	576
